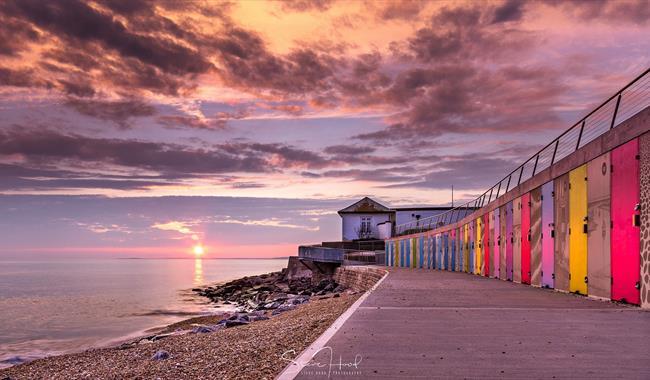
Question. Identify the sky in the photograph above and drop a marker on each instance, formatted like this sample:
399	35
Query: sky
141	128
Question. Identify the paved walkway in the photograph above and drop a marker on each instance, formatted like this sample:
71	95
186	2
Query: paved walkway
436	324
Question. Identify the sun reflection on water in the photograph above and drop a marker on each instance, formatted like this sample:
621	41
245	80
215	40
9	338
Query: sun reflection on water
198	271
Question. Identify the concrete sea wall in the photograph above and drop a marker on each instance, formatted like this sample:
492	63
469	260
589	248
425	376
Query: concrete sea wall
358	278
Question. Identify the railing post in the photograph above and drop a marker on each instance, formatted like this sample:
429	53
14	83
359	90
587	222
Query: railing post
490	197
582	128
521	173
498	190
535	166
618	102
508	185
557	142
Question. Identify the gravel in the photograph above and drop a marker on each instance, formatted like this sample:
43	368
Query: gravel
251	351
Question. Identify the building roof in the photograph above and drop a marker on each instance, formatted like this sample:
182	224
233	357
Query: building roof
415	208
366	206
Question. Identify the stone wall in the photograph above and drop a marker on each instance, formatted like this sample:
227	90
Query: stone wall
358	278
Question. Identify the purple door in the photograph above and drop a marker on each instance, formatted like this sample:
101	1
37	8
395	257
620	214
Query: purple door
547	235
536	237
509	240
625	236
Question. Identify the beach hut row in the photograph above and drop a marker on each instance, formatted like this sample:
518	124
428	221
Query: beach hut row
579	233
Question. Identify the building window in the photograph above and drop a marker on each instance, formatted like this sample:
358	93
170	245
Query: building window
366	227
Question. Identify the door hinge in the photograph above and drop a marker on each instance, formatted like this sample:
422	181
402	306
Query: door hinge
586	280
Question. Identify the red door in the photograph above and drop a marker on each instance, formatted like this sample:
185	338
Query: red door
525	238
625	236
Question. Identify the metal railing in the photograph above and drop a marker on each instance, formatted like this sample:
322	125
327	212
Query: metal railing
627	102
322	254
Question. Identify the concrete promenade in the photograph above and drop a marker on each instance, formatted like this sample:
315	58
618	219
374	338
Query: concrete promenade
436	324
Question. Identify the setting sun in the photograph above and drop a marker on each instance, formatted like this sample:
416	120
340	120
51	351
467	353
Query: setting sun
198	250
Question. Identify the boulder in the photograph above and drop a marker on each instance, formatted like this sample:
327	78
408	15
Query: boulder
282	309
237	322
160	355
204	329
160	336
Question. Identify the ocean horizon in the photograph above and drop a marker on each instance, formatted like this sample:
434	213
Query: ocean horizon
52	306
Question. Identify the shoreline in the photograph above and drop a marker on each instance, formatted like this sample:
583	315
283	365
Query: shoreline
203	327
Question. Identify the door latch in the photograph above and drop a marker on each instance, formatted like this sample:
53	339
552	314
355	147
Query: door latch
637	285
586	280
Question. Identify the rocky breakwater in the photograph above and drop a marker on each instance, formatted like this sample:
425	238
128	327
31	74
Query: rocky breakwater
269	293
254	298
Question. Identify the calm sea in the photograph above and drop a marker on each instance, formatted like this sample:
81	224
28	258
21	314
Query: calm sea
65	305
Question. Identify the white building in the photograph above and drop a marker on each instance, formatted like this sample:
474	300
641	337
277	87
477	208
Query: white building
360	220
368	219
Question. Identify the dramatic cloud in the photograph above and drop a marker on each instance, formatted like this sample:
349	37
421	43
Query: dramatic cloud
169	162
116	111
202	96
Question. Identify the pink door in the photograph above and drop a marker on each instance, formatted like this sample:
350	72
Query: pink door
625	236
525	238
495	243
486	245
509	240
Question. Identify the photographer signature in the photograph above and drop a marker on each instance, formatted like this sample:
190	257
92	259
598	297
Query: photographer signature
331	366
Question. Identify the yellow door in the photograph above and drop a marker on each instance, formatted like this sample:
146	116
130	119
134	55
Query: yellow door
578	230
479	246
413	253
398	259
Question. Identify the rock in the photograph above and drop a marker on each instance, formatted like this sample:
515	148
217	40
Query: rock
282	309
237	322
126	346
272	305
160	336
160	355
203	329
258	318
336	295
298	300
